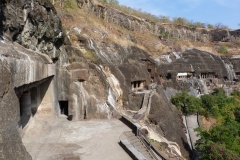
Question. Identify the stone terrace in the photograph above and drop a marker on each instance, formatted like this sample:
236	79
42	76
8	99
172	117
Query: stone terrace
58	139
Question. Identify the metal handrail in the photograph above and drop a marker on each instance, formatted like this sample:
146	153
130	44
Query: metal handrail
150	148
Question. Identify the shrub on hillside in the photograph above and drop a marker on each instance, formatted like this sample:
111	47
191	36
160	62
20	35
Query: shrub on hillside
223	49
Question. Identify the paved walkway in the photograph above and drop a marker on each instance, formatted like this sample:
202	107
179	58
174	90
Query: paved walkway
56	139
146	105
192	123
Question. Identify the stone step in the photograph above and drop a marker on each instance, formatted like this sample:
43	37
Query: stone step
135	140
138	145
134	151
130	135
146	155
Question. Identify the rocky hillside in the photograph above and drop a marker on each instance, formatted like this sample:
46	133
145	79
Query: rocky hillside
88	60
158	38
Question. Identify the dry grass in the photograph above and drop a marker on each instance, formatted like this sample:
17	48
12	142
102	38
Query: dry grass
207	123
101	31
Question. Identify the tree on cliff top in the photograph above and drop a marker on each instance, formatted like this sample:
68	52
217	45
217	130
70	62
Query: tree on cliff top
220	26
111	2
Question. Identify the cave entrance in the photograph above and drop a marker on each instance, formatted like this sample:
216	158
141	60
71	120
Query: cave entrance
207	75
25	109
169	76
63	107
138	84
225	78
33	100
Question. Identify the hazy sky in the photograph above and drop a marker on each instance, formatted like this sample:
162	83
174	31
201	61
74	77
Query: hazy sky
207	11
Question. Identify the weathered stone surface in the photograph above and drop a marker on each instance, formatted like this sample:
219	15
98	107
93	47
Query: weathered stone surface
193	61
167	120
103	88
205	71
25	65
141	25
11	146
83	85
135	101
33	24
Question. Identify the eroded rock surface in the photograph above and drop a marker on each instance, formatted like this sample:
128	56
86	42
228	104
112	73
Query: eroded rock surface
33	24
98	78
141	25
11	146
198	71
167	121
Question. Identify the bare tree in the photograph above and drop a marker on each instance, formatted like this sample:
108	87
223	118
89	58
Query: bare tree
220	26
163	19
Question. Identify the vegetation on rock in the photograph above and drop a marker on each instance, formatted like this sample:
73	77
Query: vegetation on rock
222	141
187	103
223	49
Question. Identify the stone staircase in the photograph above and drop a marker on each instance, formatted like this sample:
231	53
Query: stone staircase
137	144
145	106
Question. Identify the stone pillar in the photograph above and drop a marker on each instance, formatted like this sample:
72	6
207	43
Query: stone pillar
25	102
25	109
141	84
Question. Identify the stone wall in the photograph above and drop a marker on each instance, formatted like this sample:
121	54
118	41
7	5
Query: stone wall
11	146
25	65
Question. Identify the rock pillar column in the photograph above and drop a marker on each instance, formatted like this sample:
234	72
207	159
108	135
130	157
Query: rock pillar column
25	102
132	85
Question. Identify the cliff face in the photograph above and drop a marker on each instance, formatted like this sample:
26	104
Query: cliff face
33	24
11	146
141	25
35	27
97	72
198	71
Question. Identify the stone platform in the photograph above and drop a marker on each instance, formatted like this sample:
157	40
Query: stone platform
58	139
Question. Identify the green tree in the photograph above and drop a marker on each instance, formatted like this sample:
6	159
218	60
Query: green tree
210	26
111	2
219	91
187	103
221	142
164	19
207	102
180	21
199	24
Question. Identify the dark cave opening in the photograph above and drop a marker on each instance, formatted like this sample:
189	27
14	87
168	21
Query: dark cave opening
63	107
225	78
25	109
169	76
